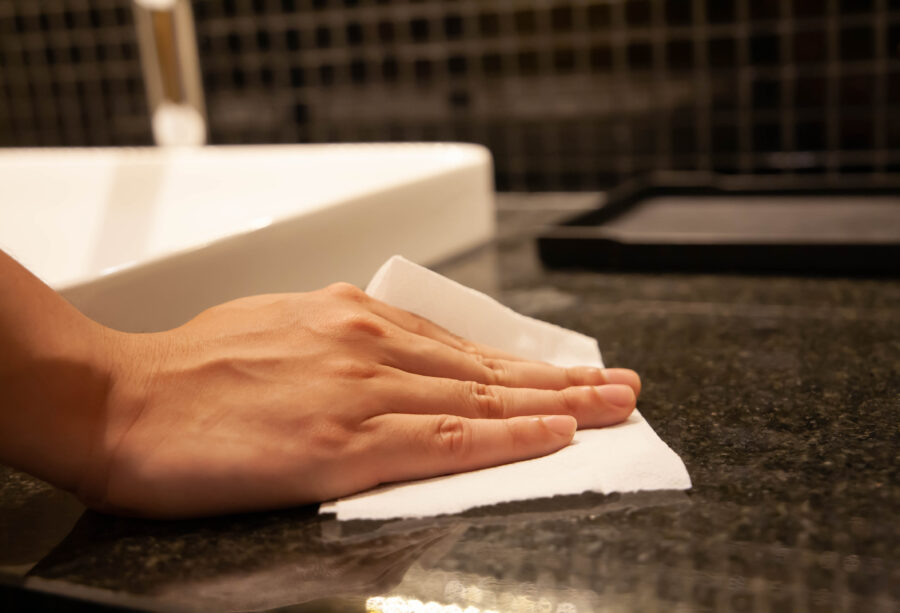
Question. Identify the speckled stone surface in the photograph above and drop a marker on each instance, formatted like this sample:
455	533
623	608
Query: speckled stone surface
782	395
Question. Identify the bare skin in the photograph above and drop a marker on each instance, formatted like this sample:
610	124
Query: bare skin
270	401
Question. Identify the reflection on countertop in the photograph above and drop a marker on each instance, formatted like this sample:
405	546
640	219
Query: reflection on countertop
780	394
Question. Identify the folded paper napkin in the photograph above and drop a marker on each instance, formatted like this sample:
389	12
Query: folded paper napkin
622	458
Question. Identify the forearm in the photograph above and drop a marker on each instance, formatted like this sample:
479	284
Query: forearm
54	379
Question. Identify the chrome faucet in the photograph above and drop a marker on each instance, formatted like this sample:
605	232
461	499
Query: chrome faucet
169	59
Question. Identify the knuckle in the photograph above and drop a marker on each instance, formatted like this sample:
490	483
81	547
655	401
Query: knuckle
568	402
358	370
572	377
453	436
485	401
347	291
417	325
364	324
496	371
469	347
516	437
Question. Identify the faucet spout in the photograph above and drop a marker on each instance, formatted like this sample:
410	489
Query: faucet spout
171	67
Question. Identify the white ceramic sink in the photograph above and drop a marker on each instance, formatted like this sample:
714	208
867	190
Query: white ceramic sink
144	239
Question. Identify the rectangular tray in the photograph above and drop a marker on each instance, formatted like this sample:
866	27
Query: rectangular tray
743	226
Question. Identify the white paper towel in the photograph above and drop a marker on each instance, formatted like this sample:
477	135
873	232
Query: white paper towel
622	458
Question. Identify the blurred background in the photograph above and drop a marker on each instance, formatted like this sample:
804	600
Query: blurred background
568	95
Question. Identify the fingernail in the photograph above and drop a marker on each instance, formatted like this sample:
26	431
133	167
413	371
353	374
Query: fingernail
623	376
564	425
620	396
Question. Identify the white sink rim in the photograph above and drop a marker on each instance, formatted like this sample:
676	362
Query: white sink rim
444	155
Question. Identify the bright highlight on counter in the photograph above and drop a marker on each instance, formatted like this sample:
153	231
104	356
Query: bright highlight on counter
398	604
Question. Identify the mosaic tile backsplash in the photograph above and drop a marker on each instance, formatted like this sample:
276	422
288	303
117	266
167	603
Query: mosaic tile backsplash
567	95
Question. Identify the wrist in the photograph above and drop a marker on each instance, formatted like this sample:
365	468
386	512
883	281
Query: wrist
56	407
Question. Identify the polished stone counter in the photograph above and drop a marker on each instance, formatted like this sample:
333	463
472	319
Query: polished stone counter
782	395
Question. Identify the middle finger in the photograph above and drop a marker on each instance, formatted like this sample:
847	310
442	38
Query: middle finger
591	406
424	356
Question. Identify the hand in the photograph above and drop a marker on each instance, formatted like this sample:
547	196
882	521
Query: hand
280	400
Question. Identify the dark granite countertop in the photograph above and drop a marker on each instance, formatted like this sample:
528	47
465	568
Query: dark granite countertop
782	395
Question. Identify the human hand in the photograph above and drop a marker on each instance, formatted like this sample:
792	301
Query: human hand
278	400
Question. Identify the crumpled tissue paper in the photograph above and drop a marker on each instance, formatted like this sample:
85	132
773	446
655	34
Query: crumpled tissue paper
626	457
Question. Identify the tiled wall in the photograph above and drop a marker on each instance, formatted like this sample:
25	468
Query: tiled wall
568	95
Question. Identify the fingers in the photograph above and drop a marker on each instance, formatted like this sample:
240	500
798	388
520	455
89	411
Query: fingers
591	406
421	347
428	349
425	356
419	446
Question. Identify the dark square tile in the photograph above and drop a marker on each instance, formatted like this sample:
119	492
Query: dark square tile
810	47
599	15
491	63
386	33
720	11
323	37
390	69
561	19
766	137
764	50
298	77
893	41
525	22
423	70
301	113
680	55
855	6
292	39
489	24
724	138
763	10
679	12
725	92
327	74
810	92
459	99
893	89
857	43
564	59
857	90
810	136
893	132
457	65
684	139
453	26
638	13
810	8
263	40
766	94
721	52
528	62
601	58
640	56
856	133
358	71
354	33
419	29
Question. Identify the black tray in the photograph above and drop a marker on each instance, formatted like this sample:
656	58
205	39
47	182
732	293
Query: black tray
734	224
